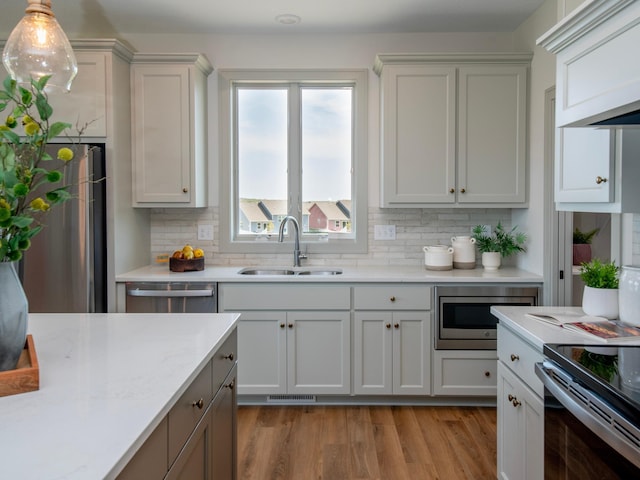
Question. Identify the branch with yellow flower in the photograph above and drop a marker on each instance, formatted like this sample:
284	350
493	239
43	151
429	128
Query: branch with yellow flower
25	169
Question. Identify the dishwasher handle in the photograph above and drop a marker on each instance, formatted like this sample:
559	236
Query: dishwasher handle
134	292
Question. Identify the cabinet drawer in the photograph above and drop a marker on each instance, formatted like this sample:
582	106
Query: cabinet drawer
392	297
224	360
470	372
283	297
188	410
520	357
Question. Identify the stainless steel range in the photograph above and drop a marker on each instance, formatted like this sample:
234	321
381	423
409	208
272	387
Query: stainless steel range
463	319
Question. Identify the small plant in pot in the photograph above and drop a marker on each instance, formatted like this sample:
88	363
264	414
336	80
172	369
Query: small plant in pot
601	280
582	245
501	243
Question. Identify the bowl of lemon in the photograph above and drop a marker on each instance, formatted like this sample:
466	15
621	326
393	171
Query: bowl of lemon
187	259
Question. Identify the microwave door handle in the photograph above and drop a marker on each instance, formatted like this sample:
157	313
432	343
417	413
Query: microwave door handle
602	429
207	292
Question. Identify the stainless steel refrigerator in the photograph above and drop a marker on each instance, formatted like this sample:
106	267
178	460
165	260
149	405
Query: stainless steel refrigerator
64	270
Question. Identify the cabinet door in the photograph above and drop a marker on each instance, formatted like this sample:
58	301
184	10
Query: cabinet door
318	352
86	103
161	121
520	429
411	353
418	134
223	431
584	165
193	463
492	134
262	355
372	355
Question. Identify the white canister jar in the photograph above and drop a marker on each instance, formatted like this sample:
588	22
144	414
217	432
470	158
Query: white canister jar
464	252
629	295
438	257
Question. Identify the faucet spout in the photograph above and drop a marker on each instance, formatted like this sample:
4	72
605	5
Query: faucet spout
296	245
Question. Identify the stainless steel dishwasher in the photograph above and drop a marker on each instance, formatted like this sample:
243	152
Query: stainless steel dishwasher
171	297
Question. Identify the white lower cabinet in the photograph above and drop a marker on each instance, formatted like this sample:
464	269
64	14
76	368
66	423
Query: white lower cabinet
302	350
392	338
520	410
465	372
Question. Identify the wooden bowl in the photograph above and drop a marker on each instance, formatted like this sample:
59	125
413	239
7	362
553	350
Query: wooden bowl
180	265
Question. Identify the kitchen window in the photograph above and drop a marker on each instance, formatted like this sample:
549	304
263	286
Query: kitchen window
293	143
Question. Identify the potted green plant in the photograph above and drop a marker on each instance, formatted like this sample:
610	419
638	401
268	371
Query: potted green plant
601	281
582	245
500	244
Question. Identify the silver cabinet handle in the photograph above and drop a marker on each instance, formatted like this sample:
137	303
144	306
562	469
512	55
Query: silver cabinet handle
170	293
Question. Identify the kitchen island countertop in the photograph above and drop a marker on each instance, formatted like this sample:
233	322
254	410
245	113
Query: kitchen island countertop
106	381
350	274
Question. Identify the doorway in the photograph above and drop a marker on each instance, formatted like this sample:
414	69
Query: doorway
562	283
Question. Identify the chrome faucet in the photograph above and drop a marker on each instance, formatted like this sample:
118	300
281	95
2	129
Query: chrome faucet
297	255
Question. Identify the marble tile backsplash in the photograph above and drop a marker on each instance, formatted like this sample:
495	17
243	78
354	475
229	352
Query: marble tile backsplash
415	228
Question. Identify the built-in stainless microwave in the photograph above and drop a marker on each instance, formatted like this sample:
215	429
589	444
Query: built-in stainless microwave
463	317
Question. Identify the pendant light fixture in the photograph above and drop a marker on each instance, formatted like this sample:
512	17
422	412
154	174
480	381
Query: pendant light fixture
38	46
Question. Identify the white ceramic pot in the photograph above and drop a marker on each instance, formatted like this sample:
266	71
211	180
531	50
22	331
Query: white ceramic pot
601	302
464	252
491	260
438	257
629	295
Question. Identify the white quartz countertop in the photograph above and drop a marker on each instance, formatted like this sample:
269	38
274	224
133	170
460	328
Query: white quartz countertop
349	274
106	381
537	332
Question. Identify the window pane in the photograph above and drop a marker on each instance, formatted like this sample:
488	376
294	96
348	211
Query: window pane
262	158
327	159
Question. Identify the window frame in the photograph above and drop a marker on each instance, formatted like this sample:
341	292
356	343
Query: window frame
314	243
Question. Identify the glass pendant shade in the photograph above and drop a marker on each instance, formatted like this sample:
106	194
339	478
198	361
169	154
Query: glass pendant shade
37	47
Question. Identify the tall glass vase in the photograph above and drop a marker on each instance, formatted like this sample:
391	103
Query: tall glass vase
13	316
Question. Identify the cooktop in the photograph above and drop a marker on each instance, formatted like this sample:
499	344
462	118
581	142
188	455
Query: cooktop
612	372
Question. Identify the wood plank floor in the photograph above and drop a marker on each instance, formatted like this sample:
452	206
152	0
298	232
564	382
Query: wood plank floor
366	442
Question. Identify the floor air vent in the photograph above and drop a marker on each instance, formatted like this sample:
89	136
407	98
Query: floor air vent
291	399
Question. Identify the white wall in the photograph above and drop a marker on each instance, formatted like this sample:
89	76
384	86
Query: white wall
542	78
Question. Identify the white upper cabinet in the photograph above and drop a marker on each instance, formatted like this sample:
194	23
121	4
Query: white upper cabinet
597	170
597	70
86	104
169	130
453	130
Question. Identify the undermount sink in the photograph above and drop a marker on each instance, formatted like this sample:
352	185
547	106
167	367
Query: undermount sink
321	272
266	271
286	271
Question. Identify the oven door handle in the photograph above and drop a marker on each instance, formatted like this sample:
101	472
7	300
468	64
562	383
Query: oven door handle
546	371
134	292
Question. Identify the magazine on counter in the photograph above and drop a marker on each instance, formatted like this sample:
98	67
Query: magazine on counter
597	328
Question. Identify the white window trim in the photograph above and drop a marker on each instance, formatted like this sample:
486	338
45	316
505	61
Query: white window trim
269	243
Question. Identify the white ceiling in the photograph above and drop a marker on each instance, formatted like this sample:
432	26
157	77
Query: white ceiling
110	17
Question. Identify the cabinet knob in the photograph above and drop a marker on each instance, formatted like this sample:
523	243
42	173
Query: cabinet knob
514	357
231	385
600	180
515	402
282	325
396	325
229	357
463	190
199	404
291	325
392	299
185	190
452	190
487	374
388	325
